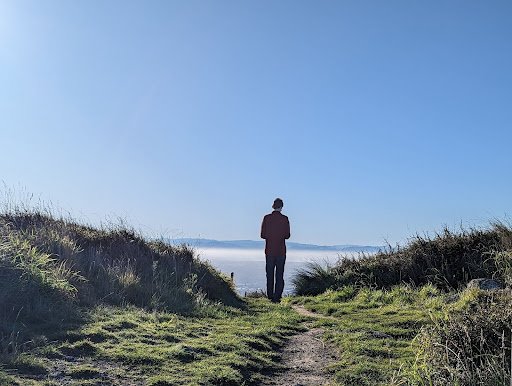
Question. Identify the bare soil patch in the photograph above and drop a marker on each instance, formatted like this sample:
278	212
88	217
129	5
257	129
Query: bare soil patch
302	311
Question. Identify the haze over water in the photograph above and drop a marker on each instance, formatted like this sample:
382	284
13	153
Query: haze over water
248	265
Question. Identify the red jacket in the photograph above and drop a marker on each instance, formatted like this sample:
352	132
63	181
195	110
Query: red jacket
275	228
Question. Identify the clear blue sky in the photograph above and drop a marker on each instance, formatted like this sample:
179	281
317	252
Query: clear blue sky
373	120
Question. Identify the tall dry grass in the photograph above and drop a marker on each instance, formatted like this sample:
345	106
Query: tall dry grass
448	259
469	347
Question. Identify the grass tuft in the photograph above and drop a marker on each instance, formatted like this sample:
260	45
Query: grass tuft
85	372
314	279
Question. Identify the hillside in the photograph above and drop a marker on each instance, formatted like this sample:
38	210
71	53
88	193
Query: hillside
86	306
45	258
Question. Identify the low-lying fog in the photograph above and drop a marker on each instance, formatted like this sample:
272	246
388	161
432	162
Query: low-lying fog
248	265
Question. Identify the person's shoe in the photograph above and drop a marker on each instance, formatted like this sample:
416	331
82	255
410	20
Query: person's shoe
276	300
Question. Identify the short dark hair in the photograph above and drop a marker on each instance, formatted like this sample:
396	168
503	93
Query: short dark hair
278	203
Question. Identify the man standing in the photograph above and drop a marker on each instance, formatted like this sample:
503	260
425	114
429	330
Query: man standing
275	229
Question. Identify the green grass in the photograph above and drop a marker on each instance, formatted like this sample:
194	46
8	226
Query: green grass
226	347
375	333
374	330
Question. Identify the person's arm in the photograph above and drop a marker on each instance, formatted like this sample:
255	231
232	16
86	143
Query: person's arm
287	233
263	229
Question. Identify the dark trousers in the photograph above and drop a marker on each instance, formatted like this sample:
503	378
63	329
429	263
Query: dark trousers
275	270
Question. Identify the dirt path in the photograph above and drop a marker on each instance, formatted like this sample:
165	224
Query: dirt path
305	358
302	311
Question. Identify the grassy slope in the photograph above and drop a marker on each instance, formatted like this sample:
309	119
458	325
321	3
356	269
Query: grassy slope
124	346
470	344
80	305
375	330
53	269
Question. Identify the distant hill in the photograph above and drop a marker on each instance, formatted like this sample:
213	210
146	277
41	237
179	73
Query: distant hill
253	244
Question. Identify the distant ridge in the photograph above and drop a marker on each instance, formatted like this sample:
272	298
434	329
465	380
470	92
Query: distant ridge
253	244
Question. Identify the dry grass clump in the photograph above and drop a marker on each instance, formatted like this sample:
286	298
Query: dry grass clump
449	260
469	347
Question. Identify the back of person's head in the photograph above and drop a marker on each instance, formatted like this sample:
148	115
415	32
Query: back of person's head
278	204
